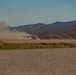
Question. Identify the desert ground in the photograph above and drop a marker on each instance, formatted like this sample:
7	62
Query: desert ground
39	41
61	61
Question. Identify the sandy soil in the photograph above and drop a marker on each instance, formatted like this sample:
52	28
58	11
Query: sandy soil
41	41
38	62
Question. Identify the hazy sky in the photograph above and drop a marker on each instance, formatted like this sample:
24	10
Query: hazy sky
20	12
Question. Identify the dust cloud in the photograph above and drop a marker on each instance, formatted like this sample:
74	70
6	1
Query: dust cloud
5	33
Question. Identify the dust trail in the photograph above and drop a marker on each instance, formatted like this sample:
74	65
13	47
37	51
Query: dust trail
5	33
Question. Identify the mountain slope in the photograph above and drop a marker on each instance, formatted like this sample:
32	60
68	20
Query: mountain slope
55	29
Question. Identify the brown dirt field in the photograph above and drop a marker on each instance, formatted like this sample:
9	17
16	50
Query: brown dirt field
41	41
60	61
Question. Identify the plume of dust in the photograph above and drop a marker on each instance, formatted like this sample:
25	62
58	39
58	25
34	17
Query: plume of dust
6	34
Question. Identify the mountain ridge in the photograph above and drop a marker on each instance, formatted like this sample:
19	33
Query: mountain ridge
54	29
57	22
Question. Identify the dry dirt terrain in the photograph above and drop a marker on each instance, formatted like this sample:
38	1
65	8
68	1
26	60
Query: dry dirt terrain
40	41
38	62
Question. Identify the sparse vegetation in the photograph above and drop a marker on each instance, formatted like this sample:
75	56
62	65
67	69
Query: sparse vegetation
18	46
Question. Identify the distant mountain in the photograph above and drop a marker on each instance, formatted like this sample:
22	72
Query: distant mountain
60	29
63	23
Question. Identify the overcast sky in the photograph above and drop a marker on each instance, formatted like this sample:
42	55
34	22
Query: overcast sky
20	12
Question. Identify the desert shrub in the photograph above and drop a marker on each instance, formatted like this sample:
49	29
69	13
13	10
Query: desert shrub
54	44
43	43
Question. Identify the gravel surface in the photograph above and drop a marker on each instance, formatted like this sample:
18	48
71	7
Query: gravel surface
38	62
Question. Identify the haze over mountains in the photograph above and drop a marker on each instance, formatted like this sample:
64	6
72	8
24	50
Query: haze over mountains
54	30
